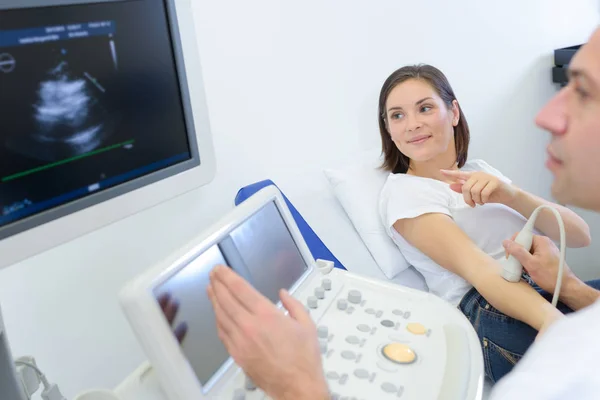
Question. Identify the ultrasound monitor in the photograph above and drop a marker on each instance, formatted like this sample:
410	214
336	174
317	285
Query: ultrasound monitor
103	115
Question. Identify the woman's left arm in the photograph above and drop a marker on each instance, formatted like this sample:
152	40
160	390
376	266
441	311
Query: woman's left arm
479	188
576	229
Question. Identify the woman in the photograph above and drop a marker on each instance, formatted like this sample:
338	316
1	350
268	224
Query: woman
449	216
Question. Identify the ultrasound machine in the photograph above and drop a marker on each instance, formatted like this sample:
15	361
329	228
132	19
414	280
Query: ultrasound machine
377	339
103	116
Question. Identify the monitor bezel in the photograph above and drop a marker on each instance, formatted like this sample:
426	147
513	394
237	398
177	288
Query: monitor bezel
100	209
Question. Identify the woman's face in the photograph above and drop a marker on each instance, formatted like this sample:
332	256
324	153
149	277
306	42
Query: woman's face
419	122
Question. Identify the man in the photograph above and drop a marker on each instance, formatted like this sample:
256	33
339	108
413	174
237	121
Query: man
281	354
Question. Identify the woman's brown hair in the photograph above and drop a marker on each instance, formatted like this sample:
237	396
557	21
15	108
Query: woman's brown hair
394	160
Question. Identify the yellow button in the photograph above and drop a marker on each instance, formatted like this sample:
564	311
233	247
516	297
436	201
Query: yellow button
416	328
399	353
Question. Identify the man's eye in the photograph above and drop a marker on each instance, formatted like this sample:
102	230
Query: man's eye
582	93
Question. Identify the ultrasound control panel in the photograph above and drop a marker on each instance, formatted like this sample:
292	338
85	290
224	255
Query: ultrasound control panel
384	341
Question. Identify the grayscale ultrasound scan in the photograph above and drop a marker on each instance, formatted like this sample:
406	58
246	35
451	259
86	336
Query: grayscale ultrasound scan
66	103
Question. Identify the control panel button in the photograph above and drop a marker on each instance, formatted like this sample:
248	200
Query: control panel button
399	353
332	375
364	328
370	311
312	302
343	379
326	283
398	313
322	332
387	323
319	293
354	297
249	385
342	304
348	355
323	346
388	387
353	340
416	328
361	373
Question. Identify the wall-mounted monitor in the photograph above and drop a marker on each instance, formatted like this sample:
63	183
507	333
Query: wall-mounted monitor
103	114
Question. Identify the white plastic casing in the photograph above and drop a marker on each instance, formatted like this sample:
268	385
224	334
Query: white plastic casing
449	361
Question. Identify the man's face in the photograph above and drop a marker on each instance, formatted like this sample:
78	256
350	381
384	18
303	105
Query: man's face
573	119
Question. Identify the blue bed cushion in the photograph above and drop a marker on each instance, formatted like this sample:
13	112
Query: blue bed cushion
315	244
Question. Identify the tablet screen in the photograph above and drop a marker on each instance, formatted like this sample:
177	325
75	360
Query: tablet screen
262	250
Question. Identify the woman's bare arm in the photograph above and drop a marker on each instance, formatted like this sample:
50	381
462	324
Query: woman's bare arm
438	237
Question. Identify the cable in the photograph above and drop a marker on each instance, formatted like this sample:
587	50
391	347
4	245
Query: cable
24	386
39	373
51	391
563	248
512	268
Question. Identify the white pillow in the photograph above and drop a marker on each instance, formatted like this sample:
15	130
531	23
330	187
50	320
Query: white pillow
357	188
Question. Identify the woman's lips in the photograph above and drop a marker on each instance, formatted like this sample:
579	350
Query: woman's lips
419	139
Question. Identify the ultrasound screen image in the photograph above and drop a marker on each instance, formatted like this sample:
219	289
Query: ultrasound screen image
65	103
90	99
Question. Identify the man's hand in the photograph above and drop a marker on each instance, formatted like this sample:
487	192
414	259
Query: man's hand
542	263
542	266
279	353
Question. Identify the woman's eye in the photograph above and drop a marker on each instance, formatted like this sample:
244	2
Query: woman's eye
397	116
425	108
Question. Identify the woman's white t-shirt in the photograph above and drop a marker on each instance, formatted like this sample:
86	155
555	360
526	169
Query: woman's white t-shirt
407	196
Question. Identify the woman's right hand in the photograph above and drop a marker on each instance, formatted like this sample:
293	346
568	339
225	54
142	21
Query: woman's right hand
479	188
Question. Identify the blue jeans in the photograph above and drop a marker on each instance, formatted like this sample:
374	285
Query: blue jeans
504	340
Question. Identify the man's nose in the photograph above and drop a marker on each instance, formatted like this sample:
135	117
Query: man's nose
553	117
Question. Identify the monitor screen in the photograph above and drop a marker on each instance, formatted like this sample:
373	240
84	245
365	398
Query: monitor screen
262	250
91	100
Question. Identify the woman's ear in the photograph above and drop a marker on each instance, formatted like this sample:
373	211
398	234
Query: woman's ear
455	113
385	123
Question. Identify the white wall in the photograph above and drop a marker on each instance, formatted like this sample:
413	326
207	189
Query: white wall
292	88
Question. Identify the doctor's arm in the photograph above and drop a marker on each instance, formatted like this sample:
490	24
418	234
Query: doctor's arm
438	237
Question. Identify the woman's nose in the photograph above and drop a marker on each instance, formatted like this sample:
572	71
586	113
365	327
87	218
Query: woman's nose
412	123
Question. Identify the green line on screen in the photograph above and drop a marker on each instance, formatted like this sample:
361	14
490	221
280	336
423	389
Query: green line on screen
65	161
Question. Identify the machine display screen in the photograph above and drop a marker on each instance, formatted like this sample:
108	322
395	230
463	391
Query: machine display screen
90	99
262	250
